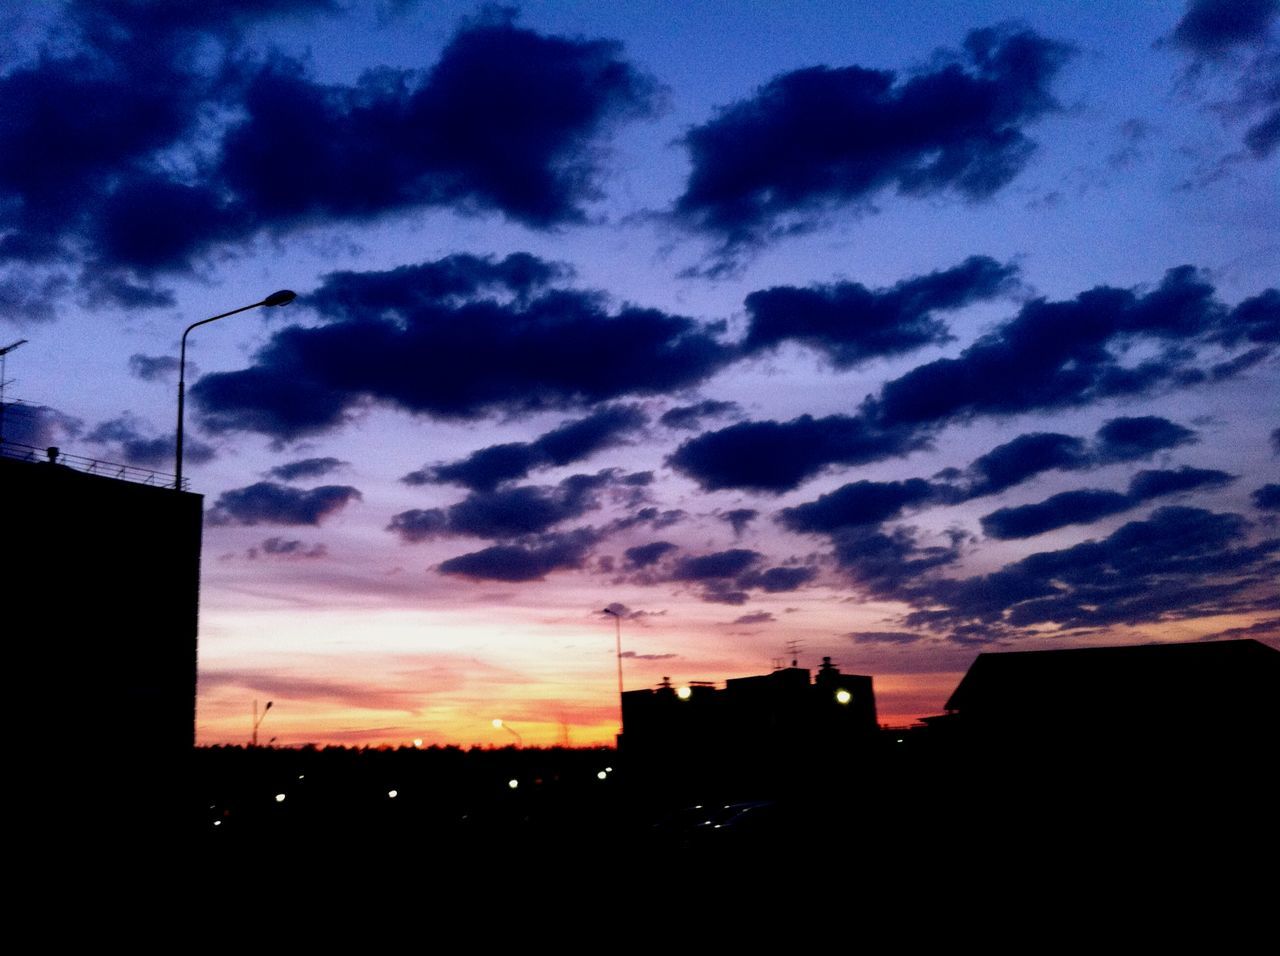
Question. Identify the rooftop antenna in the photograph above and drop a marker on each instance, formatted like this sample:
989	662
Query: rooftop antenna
793	650
4	352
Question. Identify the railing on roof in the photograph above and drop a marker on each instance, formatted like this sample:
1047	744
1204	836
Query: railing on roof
92	466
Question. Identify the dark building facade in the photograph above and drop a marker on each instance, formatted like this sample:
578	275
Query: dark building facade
782	723
1150	690
101	574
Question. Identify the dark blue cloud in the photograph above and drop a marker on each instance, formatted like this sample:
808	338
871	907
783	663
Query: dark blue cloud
523	562
1024	457
1267	498
863	503
127	440
572	442
850	324
454	359
719	564
307	468
1236	37
739	518
277	547
218	146
504	121
777	580
886	563
1070	507
1050	356
884	637
1256	319
1211	27
690	416
645	555
1146	485
1178	563
778	456
28	298
1089	504
153	368
1126	439
507	513
270	503
37	426
1056	355
826	136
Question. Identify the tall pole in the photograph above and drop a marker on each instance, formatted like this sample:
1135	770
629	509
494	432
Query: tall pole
617	633
257	721
4	357
283	297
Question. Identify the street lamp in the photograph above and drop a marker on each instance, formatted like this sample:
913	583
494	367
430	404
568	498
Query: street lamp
283	297
617	630
257	721
500	724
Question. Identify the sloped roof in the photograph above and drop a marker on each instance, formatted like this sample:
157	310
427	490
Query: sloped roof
1220	681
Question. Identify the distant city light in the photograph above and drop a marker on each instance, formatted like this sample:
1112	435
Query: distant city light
843	696
279	798
684	693
513	783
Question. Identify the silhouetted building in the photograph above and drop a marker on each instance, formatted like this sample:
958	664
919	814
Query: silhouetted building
760	727
1154	709
105	568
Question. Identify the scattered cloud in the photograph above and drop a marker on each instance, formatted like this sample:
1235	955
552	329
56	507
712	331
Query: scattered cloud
817	138
456	357
270	503
572	442
850	324
307	468
130	441
153	368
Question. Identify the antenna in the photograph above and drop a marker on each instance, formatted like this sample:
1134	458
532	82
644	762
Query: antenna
793	651
4	354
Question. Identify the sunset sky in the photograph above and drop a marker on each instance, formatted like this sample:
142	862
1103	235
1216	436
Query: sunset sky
903	331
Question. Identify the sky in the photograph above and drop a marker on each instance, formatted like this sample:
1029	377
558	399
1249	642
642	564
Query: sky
900	332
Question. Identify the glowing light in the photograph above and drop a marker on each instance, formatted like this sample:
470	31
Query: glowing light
608	770
513	783
602	775
217	823
843	696
393	794
684	693
497	723
302	776
417	741
279	798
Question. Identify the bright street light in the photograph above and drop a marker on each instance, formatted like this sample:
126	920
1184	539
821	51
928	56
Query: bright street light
500	724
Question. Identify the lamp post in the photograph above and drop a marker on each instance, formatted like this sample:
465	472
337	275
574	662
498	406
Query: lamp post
257	721
617	631
501	724
283	297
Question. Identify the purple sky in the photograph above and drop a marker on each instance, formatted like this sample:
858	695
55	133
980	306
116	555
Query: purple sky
904	332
